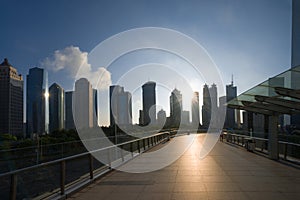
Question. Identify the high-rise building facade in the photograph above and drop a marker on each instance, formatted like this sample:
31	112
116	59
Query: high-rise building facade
231	93
149	102
175	107
69	119
56	107
295	33
195	110
11	100
120	106
206	107
210	105
37	102
161	117
185	117
83	104
95	107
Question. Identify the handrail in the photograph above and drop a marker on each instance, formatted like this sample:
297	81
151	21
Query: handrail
286	144
155	138
75	156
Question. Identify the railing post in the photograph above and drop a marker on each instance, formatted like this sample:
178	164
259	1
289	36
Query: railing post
131	149
108	158
285	150
62	177
122	155
138	145
13	186
144	144
91	159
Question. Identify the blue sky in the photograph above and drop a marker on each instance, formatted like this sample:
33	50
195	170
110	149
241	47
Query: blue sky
247	38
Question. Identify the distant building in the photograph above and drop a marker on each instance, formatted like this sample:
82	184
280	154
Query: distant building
11	100
37	102
231	93
295	58
210	104
83	104
206	107
222	103
149	102
95	107
141	117
161	117
295	33
185	117
56	107
175	107
213	93
195	110
120	106
222	110
69	121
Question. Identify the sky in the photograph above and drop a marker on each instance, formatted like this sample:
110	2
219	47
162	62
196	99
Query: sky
250	39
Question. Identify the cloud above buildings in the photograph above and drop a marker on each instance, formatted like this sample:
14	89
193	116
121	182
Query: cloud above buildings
74	62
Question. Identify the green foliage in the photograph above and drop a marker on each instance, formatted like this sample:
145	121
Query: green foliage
7	137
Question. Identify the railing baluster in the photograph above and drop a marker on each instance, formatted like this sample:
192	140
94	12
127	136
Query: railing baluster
91	161
285	151
13	186
62	177
138	145
122	155
131	149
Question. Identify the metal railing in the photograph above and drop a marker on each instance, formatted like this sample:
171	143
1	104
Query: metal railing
261	144
133	147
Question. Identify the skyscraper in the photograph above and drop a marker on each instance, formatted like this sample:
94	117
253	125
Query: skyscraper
213	92
37	115
56	107
83	104
195	110
149	102
120	106
175	107
206	107
231	93
69	123
185	119
210	105
95	107
295	33
11	100
161	117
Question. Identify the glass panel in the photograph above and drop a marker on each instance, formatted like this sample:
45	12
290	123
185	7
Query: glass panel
288	79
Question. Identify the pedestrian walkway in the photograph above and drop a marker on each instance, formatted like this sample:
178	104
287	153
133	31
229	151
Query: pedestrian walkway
228	172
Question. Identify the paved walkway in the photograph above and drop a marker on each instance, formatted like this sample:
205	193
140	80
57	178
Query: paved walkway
227	172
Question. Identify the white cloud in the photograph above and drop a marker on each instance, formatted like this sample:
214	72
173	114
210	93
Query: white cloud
74	62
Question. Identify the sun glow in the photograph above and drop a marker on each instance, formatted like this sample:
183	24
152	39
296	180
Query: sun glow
46	95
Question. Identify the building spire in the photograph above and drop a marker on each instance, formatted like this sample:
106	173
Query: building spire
232	79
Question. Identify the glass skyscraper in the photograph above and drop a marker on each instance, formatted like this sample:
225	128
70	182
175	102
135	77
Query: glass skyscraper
37	115
56	107
69	123
175	108
149	101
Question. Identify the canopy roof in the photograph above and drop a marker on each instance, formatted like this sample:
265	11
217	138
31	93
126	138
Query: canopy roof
277	95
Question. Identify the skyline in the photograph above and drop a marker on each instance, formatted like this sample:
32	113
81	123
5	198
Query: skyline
242	38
